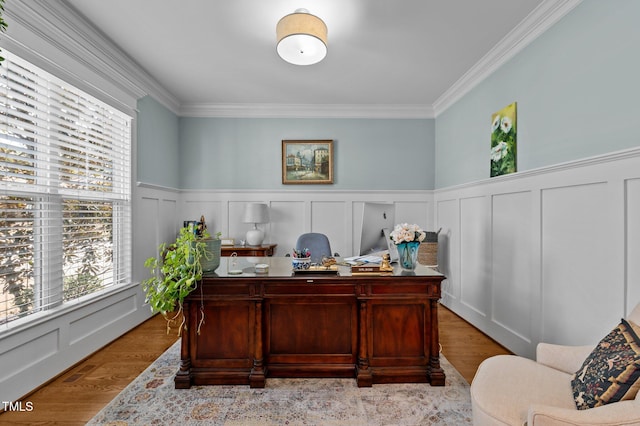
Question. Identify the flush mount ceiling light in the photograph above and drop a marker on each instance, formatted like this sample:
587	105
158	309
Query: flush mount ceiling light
302	38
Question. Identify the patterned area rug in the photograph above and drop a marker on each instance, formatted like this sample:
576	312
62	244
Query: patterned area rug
152	400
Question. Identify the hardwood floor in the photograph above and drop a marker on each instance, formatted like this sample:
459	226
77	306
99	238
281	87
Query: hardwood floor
75	396
464	345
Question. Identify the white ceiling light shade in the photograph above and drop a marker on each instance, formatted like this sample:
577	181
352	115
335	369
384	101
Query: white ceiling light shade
302	38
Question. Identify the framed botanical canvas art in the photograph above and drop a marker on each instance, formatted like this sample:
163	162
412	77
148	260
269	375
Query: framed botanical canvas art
307	161
503	141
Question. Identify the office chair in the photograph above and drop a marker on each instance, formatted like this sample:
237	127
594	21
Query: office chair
318	245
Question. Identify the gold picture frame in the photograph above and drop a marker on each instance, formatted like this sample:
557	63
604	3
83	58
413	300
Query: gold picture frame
307	162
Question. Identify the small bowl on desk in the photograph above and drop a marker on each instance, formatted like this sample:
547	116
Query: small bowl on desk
301	263
261	268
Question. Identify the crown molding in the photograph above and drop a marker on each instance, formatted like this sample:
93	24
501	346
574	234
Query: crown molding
547	14
119	66
59	25
543	17
306	111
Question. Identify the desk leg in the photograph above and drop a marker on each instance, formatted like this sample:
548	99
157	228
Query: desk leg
363	372
436	373
257	377
182	380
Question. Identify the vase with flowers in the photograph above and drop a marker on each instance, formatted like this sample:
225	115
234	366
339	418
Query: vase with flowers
407	239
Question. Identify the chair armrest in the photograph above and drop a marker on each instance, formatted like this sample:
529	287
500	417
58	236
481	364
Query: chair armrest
618	413
564	358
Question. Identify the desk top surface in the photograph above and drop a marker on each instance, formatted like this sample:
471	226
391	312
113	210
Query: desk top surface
281	267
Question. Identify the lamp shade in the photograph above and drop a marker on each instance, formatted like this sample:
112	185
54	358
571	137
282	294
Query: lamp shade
302	38
256	213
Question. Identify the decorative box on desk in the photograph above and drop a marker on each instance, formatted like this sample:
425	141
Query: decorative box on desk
252	251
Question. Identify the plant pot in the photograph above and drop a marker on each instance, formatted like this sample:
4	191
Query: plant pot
211	260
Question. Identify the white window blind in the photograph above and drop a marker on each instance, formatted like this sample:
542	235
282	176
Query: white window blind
65	192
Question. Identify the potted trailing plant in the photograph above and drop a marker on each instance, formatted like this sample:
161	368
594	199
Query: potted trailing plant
176	272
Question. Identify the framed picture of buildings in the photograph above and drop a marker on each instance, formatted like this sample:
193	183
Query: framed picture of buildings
307	161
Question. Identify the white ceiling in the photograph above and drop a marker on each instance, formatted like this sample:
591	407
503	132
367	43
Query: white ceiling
381	52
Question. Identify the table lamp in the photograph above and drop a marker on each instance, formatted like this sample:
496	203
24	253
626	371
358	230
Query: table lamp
255	213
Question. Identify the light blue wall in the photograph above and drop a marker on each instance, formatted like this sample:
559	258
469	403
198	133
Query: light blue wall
246	153
578	92
157	144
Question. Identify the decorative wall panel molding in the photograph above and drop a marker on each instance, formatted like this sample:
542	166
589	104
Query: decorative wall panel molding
36	352
631	231
546	255
335	213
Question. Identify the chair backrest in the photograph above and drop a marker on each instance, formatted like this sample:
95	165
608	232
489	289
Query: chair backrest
318	245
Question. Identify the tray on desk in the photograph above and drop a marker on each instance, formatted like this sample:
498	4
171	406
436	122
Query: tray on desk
318	269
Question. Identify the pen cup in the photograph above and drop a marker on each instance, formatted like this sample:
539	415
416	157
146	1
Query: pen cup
301	263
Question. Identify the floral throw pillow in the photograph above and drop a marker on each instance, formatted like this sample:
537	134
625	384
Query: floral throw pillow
611	372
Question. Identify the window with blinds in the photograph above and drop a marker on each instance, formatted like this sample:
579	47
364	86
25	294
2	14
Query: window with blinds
65	193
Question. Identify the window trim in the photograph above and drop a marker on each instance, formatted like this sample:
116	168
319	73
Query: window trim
119	197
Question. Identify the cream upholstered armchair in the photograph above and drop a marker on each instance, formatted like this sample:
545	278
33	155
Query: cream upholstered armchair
512	390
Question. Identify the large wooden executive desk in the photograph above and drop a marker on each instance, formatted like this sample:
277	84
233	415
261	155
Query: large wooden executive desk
377	329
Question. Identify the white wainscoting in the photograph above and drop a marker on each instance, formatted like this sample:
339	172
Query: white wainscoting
546	255
38	350
338	214
34	353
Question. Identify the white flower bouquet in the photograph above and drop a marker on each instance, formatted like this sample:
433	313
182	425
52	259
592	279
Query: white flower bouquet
405	233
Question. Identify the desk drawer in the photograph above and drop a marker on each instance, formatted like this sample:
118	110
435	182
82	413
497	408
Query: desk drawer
308	286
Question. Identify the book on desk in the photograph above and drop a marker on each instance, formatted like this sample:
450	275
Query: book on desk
366	267
371	264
